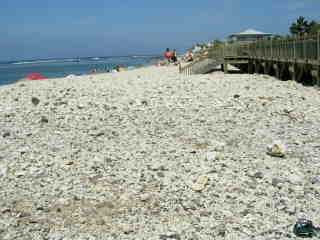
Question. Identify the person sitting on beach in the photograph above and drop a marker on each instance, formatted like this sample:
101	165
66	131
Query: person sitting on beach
174	58
117	68
168	55
189	56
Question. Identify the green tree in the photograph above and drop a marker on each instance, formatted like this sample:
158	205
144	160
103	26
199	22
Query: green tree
300	27
303	26
314	27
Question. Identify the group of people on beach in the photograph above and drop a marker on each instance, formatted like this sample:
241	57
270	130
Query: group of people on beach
171	56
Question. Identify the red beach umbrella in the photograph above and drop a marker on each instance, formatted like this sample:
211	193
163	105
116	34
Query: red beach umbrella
35	76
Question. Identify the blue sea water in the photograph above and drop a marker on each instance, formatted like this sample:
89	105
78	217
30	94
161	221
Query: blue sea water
12	71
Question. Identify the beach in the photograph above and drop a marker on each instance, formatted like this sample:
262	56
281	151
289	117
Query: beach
153	154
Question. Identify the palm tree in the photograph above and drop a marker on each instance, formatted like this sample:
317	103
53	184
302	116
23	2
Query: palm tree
314	27
300	27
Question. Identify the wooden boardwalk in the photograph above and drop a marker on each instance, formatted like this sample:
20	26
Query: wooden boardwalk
292	58
201	66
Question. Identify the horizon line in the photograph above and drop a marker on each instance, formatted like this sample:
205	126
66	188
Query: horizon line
77	57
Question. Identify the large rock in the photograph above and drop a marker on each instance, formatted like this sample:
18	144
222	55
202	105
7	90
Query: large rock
35	101
276	149
200	184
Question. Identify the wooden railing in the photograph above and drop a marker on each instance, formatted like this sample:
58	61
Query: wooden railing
235	50
301	49
189	68
200	66
306	48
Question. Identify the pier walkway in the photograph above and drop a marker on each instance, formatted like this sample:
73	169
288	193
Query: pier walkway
293	58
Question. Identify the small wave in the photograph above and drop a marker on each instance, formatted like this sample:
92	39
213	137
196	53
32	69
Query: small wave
46	61
36	61
71	60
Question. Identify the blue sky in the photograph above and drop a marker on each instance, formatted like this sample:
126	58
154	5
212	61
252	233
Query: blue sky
69	28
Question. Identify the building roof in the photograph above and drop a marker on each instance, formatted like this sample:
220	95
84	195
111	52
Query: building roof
250	32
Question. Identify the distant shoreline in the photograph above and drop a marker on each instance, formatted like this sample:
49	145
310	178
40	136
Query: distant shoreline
13	71
66	58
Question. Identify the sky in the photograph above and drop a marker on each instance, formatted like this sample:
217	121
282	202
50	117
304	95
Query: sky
36	29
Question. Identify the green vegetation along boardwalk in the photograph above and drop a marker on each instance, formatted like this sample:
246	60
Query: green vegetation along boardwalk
292	58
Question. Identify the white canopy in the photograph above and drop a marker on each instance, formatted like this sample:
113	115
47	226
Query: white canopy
250	32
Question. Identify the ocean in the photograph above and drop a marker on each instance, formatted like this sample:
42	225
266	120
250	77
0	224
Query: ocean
12	71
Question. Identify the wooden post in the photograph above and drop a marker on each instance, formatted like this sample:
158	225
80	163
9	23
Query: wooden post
287	49
304	48
295	73
294	48
300	71
223	50
250	67
265	67
271	48
281	50
257	66
318	58
256	49
318	75
292	70
314	75
318	43
277	70
225	67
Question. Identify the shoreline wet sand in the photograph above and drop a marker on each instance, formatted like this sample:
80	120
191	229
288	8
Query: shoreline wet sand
152	154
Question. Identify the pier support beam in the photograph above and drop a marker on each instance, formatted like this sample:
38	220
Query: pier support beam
277	70
300	72
250	67
266	68
316	76
293	72
225	67
284	71
257	67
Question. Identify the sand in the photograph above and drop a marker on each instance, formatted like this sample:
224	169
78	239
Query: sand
151	154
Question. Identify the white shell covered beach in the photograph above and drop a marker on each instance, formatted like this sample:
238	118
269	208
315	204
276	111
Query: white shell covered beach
152	154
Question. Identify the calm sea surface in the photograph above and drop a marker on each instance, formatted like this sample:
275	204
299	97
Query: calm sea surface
53	68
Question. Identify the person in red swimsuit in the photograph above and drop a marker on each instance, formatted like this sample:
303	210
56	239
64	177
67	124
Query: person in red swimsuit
168	55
